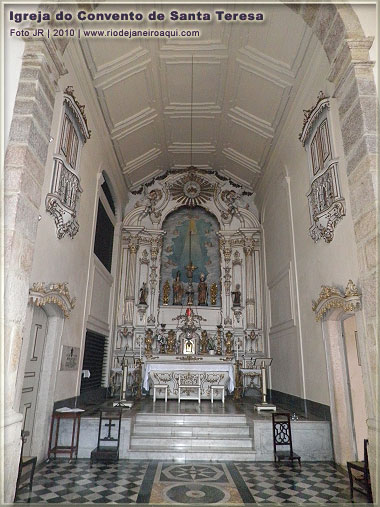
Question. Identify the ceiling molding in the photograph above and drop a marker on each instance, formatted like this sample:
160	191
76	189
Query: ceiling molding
133	123
241	159
140	161
196	148
251	122
262	60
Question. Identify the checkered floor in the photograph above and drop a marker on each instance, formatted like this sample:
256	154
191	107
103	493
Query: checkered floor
157	482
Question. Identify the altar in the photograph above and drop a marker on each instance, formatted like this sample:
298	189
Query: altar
218	372
190	288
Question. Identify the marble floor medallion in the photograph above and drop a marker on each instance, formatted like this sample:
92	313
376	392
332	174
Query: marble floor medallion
194	473
195	493
195	483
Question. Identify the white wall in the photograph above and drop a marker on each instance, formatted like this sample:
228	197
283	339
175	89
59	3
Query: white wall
71	260
301	346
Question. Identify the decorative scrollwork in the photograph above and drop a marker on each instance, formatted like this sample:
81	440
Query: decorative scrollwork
327	206
332	297
58	294
310	116
192	190
78	111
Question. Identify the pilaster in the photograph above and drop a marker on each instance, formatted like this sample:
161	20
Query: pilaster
24	168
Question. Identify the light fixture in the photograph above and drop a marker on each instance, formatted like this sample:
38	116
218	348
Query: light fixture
191	167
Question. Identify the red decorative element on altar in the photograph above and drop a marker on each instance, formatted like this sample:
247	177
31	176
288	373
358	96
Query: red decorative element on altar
188	312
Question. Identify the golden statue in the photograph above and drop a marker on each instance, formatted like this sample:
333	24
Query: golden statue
166	293
213	293
204	339
171	341
228	343
148	342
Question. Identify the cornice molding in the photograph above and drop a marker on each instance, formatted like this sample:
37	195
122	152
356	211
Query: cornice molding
333	297
57	294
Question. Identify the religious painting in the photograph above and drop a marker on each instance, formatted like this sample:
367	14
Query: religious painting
191	234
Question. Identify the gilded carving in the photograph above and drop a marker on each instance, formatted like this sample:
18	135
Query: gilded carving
332	297
204	341
42	294
213	293
351	290
171	341
166	293
228	343
148	342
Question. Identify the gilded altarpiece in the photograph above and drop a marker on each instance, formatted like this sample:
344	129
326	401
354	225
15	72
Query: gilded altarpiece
210	220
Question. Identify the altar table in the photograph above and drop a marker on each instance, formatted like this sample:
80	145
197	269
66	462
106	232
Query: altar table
210	374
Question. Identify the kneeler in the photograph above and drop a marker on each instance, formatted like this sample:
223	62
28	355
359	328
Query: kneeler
107	450
282	438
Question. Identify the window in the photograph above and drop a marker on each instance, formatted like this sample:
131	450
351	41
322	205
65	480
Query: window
103	244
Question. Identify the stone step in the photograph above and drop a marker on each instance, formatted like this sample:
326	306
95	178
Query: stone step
189	430
191	419
178	442
200	454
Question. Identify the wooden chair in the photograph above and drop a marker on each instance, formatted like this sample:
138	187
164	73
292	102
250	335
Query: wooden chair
26	467
282	437
189	382
358	473
107	450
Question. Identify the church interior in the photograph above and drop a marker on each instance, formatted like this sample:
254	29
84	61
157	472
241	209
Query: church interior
190	255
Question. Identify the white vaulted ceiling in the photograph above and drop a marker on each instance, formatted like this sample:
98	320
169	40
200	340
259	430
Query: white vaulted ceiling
245	77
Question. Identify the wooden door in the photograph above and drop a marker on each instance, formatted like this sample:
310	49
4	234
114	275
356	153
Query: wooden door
32	374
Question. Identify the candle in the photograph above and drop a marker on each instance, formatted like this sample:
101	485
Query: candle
237	350
140	346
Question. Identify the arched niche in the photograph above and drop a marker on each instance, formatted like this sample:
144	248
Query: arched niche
191	233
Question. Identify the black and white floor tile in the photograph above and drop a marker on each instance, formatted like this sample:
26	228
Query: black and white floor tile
164	483
312	483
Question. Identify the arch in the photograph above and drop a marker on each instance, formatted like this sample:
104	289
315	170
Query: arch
109	192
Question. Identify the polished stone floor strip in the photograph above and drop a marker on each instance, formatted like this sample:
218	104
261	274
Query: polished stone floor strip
189	483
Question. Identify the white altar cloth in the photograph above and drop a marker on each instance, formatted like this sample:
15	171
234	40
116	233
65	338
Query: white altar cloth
190	367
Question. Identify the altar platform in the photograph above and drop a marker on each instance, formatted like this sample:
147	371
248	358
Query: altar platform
204	432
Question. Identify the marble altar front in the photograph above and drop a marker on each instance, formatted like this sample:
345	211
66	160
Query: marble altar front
211	372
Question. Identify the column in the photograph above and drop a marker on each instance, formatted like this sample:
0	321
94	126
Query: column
130	280
155	250
249	282
227	251
25	161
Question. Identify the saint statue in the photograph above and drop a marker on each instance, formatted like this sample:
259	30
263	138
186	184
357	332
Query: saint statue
177	290
143	294
202	291
236	299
